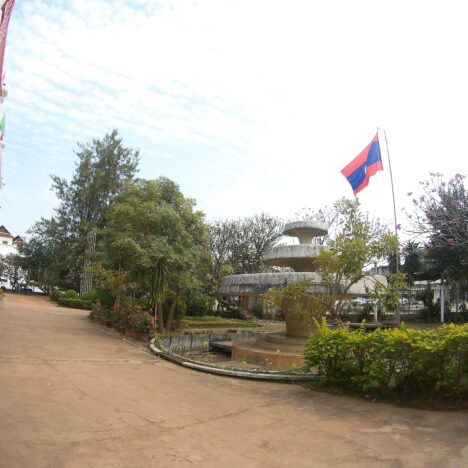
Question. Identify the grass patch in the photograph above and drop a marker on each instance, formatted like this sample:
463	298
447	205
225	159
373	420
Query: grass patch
211	321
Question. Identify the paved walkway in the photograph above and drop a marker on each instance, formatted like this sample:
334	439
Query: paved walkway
75	394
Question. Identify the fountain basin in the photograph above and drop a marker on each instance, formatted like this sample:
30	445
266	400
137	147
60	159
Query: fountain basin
256	284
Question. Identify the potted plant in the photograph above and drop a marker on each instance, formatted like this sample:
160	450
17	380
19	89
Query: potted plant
133	320
145	326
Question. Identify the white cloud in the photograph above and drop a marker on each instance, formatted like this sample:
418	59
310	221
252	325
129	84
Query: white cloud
259	104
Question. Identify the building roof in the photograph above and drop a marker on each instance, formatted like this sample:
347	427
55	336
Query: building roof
18	240
4	232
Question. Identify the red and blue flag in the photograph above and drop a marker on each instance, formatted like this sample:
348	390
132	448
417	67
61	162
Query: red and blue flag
364	166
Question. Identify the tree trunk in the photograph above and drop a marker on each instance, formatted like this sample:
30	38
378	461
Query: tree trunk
117	302
170	319
160	316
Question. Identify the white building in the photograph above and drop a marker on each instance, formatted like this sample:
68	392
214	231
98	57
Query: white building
8	245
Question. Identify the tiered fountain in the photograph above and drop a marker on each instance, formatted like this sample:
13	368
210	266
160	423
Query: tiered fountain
285	350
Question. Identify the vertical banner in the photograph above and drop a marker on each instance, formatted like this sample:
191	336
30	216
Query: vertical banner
6	14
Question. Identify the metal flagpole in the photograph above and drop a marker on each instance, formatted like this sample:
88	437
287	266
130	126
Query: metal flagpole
391	181
397	311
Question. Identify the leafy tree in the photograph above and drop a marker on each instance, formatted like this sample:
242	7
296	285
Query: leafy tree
44	256
412	261
389	295
241	244
440	217
103	168
11	268
64	244
359	243
154	233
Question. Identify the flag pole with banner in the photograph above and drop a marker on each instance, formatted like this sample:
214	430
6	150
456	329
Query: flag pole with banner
359	171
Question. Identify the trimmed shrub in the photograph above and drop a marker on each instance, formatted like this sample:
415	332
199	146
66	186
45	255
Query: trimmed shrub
430	363
70	294
74	303
103	295
55	295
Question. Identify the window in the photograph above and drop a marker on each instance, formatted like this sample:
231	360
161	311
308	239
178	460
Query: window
5	242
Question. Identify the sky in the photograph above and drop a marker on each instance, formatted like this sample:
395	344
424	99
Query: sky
249	105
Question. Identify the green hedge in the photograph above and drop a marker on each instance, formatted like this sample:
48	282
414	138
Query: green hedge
419	363
55	295
74	303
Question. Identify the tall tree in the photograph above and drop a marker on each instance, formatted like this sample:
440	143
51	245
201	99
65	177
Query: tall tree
358	244
241	244
102	170
440	217
11	269
154	233
411	252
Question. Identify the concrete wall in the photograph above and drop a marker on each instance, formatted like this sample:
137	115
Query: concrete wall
200	341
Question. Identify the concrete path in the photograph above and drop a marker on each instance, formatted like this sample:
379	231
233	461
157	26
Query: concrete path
75	394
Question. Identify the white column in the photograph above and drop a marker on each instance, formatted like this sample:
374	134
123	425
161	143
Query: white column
442	303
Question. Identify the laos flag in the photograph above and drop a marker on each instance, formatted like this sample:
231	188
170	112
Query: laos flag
364	166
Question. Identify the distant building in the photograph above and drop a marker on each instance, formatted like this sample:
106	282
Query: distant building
8	245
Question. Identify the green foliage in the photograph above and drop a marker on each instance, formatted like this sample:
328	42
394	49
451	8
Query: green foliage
155	235
425	295
55	295
74	303
198	305
103	295
431	364
143	302
295	299
241	244
56	252
70	294
441	217
11	268
389	295
358	243
430	310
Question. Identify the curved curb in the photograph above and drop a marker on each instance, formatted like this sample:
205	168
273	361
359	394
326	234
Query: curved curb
212	369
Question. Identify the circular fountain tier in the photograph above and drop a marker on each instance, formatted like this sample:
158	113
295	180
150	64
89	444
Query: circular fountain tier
299	257
305	230
256	284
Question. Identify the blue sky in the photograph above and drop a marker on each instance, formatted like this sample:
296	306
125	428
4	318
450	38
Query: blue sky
248	105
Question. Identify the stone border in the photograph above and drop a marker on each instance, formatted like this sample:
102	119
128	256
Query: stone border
278	376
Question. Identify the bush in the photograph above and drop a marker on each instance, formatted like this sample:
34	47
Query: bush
74	303
70	294
199	305
143	302
414	362
103	295
55	295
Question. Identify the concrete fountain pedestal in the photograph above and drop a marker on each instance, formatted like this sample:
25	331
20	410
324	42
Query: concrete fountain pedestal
285	351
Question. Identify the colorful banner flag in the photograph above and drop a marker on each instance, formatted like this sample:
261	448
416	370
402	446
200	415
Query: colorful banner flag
364	166
2	126
6	14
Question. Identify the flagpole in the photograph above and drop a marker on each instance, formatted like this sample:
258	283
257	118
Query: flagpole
397	311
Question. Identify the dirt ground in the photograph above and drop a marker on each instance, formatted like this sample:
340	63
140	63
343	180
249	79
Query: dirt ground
75	394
